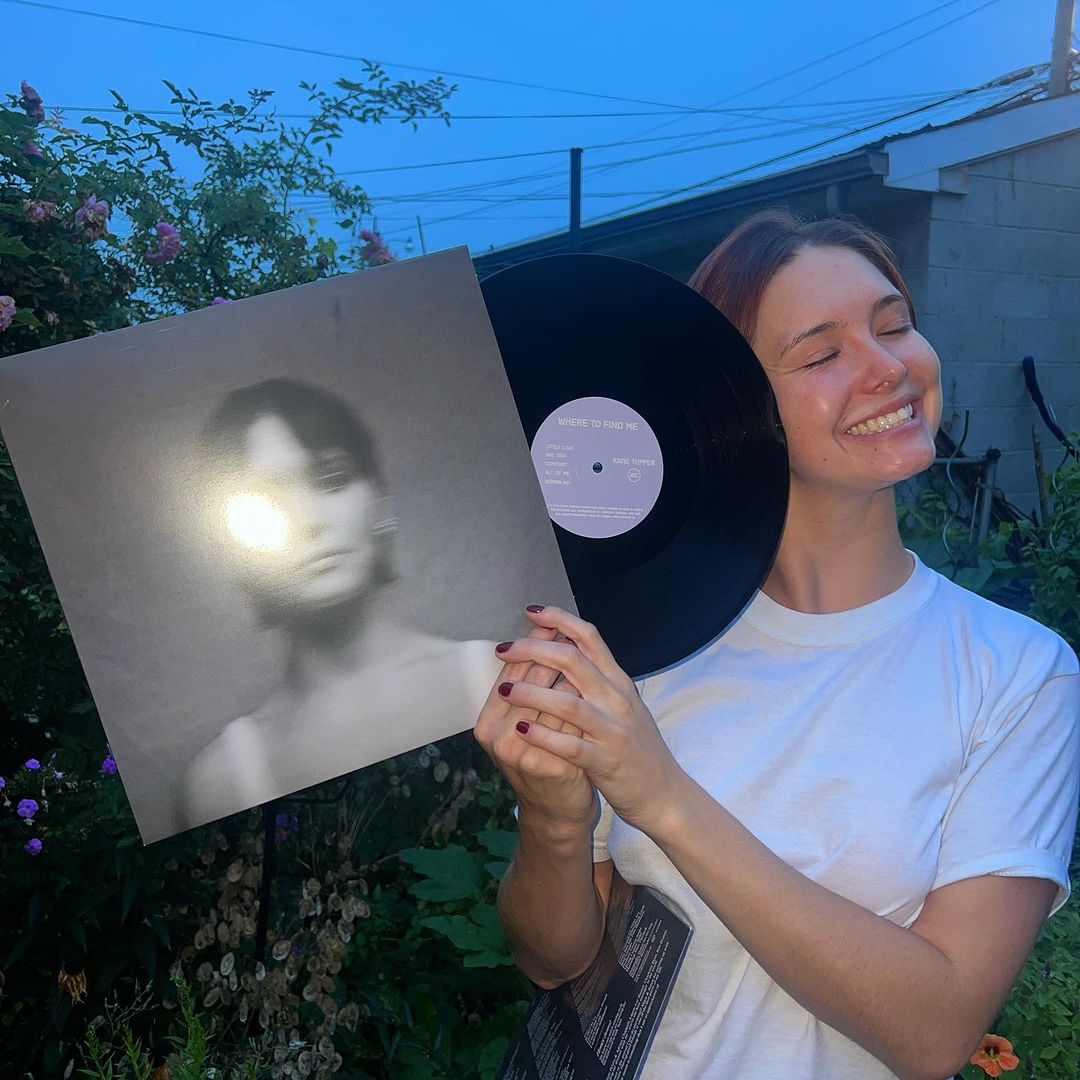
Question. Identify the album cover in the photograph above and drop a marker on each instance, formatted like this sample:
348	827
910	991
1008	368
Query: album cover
286	531
600	1025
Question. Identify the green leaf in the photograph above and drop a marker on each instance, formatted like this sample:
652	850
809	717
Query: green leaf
453	871
14	247
499	842
131	887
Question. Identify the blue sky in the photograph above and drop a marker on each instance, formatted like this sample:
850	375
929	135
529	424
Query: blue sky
686	54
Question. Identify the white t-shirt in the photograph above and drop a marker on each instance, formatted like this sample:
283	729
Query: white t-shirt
885	751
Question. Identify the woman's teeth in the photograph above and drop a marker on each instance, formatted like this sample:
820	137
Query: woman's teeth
882	423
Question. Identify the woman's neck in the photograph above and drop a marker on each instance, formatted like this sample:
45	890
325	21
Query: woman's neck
837	552
350	639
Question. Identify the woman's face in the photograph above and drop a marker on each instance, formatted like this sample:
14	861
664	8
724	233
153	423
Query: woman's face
328	550
858	388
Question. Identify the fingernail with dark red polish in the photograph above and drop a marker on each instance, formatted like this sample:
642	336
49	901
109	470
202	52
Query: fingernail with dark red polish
523	727
505	688
503	646
534	608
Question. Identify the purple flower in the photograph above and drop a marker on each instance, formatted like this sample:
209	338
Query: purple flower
375	250
3	783
27	808
38	210
31	102
7	311
219	300
32	763
168	244
93	213
108	766
33	846
31	149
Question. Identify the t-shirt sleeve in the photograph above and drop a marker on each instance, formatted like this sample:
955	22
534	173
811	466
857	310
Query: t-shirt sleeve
1013	811
601	831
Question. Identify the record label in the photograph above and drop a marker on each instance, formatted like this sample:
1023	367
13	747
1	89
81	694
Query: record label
600	466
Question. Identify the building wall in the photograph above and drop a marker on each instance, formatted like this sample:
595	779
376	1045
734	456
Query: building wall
1002	281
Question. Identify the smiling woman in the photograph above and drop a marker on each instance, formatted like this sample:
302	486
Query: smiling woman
868	777
298	509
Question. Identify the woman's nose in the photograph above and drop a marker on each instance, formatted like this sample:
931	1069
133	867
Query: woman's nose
881	367
305	515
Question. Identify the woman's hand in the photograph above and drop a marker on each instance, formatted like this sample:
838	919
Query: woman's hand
617	742
547	786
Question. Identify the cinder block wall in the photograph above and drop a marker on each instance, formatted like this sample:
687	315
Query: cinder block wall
1002	281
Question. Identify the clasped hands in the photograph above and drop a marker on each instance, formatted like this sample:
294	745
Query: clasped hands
563	717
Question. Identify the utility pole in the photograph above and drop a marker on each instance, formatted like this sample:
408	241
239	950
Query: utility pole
575	198
420	230
1061	59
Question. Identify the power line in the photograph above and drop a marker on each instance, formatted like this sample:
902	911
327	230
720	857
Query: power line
275	115
949	3
780	157
238	39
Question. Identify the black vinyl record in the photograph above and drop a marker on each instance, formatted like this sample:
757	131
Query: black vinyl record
651	428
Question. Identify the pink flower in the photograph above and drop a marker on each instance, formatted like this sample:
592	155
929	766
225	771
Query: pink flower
31	102
375	250
31	149
168	244
219	300
7	311
93	215
39	210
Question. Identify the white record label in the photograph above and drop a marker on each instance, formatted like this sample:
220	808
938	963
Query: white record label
599	465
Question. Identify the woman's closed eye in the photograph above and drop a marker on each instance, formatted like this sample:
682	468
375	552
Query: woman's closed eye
821	360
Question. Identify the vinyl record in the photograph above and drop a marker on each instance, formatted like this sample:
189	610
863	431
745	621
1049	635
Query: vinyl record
649	421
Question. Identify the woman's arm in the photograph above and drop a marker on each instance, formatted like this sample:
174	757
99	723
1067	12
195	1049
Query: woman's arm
552	902
919	998
551	907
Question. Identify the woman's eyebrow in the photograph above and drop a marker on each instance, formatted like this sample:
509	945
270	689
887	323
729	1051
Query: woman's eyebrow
821	328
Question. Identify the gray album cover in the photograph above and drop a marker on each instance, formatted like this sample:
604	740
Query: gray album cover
285	531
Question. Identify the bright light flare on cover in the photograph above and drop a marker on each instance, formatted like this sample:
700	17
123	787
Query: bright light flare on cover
256	522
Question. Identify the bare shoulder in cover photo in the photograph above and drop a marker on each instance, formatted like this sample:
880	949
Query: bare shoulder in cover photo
303	520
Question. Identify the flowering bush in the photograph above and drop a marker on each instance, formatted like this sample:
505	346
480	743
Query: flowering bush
87	914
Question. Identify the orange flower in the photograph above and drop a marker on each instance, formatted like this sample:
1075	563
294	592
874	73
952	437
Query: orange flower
995	1055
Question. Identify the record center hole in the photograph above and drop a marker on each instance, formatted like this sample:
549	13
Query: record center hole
597	467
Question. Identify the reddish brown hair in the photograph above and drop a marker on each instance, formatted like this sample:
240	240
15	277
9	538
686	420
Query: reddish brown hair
734	276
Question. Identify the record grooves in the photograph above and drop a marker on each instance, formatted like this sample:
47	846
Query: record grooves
668	571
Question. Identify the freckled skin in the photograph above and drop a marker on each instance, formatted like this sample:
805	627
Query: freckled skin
867	361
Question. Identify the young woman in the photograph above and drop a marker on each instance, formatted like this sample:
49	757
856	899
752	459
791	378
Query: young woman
300	511
863	795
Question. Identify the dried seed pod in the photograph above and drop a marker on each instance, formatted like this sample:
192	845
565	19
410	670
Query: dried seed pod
74	985
281	949
312	887
260	970
228	963
213	996
204	972
235	871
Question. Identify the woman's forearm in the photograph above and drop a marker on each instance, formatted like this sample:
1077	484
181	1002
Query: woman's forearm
881	985
550	908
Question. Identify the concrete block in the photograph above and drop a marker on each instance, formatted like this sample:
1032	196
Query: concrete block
978	206
967	246
961	339
1045	252
974	385
1037	206
1050	341
1065	299
1056	161
999	167
951	292
1018	295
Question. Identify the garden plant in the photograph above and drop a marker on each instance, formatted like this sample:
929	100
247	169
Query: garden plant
383	954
